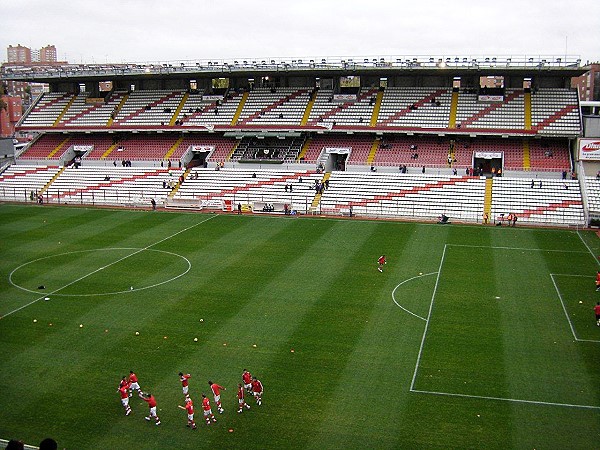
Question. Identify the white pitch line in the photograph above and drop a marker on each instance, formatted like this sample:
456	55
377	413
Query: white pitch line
572	275
552	275
588	247
406	281
514	400
101	268
437	280
563	307
189	264
517	248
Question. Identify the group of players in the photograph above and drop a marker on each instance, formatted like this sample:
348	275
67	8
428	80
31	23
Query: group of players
250	385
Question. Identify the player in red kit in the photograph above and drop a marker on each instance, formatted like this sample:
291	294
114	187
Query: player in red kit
381	262
184	382
598	280
240	395
149	398
597	311
124	382
208	415
189	407
124	393
257	390
133	383
216	389
247	379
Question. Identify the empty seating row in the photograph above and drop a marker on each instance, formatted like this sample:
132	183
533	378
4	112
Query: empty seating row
550	154
403	195
22	183
112	185
547	201
553	111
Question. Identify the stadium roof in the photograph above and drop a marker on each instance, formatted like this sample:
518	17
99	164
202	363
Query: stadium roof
569	66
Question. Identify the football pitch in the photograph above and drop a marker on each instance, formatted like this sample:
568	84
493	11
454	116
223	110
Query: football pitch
472	337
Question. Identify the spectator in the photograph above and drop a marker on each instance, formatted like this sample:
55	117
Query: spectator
13	444
48	444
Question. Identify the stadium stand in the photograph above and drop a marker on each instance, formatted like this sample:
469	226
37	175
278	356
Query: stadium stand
404	195
555	112
362	140
47	110
547	201
508	114
203	110
124	186
22	183
415	107
249	186
347	110
46	146
153	108
85	113
281	106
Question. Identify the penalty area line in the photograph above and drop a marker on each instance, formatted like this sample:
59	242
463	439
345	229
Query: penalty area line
512	400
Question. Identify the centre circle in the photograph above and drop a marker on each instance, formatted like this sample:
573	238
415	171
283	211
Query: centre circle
166	260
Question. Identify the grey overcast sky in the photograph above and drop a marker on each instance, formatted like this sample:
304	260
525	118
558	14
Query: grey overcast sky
177	30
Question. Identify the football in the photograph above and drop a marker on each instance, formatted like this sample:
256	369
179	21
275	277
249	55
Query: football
195	339
137	333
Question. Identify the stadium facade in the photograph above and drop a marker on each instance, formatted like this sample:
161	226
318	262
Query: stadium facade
398	136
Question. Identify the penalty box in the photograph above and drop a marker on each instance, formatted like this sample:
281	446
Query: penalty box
496	329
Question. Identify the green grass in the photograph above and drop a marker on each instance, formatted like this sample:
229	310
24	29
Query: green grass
486	358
